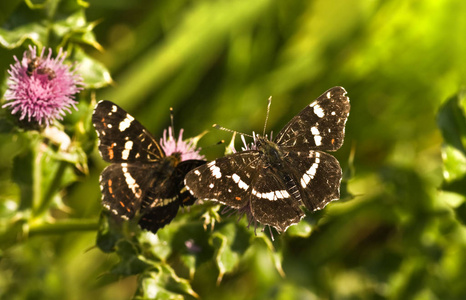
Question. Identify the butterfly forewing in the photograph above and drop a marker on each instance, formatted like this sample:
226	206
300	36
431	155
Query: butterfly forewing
121	137
319	126
226	180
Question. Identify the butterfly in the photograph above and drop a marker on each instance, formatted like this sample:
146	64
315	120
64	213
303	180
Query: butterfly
141	179
272	180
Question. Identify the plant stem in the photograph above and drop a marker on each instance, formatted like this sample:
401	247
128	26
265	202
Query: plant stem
52	189
63	226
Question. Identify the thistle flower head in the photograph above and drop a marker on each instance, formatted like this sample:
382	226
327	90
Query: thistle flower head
187	149
41	88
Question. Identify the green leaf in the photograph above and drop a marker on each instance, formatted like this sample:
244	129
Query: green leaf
107	235
75	28
23	176
131	260
461	213
274	254
230	242
211	216
302	229
225	258
94	73
454	170
34	32
452	122
164	284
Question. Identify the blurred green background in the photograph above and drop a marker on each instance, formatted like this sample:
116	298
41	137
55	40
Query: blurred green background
396	237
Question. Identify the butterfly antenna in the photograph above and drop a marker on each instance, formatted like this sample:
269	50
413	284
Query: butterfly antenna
267	114
216	126
172	122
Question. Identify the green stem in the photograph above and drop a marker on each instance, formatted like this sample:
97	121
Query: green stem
37	176
63	226
52	189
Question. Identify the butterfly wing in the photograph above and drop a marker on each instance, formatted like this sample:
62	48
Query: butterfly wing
242	181
141	179
122	139
274	199
317	176
184	167
165	196
123	188
226	180
274	180
319	126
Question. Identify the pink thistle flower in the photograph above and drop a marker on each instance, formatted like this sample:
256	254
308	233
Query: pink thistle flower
187	149
41	89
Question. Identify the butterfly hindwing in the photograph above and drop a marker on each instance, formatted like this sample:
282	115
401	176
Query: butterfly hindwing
320	125
274	200
123	188
317	176
121	137
164	197
183	168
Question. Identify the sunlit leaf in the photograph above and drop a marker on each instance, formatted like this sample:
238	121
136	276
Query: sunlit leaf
94	73
225	258
34	32
163	283
274	255
454	169
302	229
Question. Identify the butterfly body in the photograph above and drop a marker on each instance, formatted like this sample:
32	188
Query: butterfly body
275	178
141	181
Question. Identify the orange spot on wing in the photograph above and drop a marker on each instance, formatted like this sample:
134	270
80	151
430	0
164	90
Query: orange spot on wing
110	153
238	198
110	189
122	204
333	141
